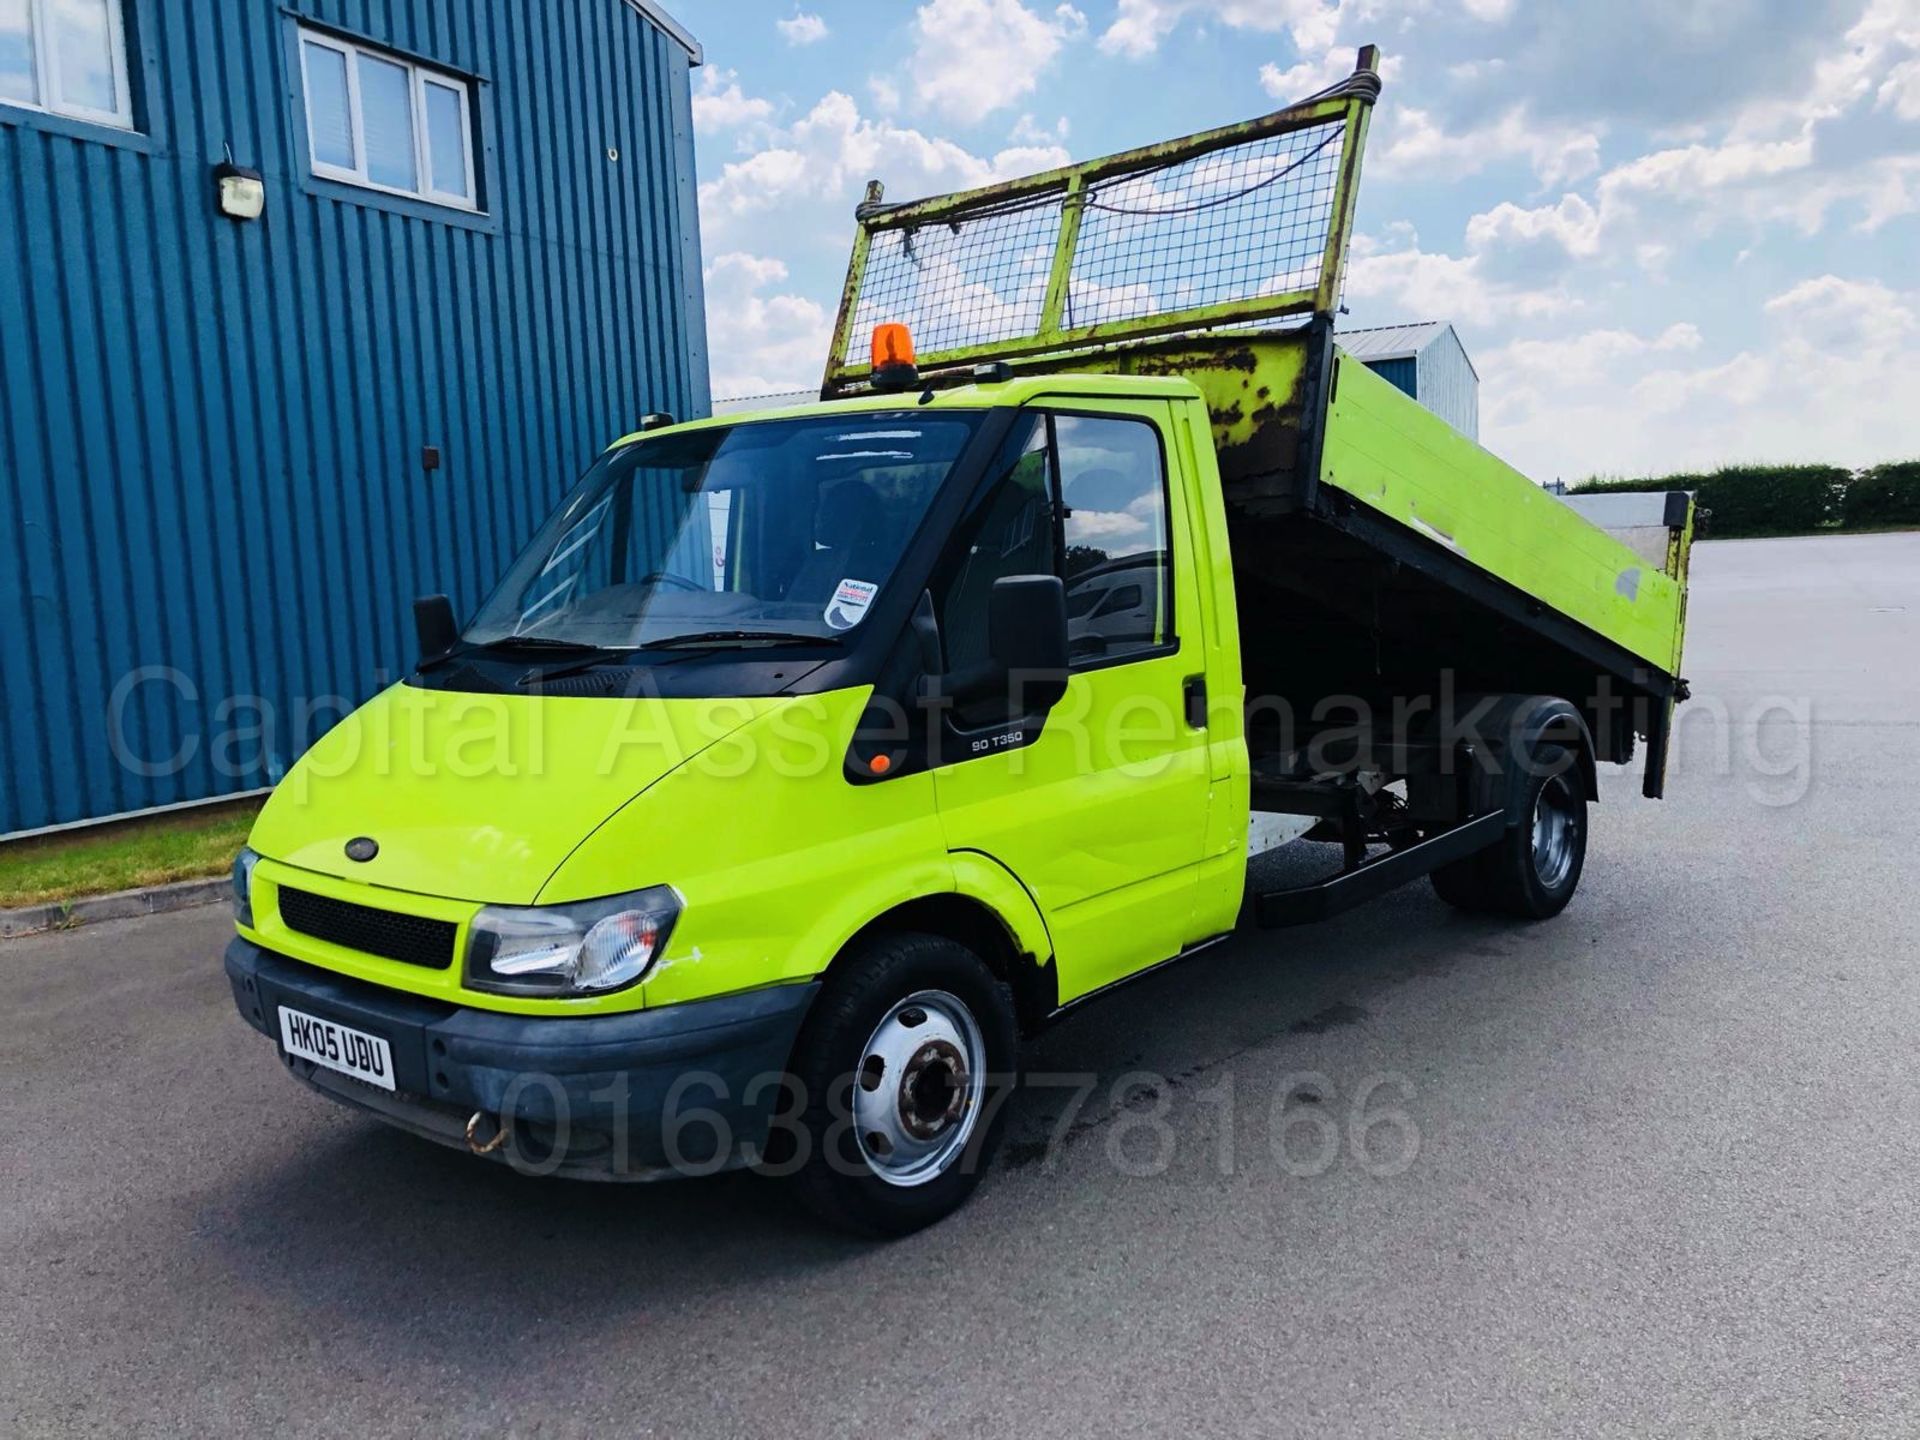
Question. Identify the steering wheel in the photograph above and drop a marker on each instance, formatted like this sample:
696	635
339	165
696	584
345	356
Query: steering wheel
667	576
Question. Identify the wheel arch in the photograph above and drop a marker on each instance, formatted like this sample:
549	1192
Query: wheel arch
1549	720
1520	724
991	913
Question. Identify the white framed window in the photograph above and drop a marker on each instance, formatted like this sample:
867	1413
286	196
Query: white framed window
378	120
66	57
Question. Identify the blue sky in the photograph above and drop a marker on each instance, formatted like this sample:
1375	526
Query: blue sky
1671	232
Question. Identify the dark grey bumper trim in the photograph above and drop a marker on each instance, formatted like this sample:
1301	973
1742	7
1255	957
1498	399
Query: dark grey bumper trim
601	1084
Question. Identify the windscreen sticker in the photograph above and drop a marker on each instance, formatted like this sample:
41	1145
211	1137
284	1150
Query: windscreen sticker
849	604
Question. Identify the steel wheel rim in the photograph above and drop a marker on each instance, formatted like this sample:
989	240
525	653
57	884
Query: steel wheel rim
1555	826
918	1088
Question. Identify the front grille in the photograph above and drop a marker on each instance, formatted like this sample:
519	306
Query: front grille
410	939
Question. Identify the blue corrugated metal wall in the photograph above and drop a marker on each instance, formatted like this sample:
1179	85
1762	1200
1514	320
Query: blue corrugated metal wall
1403	373
214	506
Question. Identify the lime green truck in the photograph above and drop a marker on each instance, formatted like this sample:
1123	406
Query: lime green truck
805	760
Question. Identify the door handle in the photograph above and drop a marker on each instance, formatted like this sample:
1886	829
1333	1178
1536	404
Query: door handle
1194	696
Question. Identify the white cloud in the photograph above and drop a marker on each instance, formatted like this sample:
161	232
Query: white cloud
1692	168
1700	187
1811	393
763	343
1467	72
1025	160
1813	387
1681	335
719	104
1794	158
1875	191
801	28
1876	56
1588	358
1141	25
831	152
972	57
1308	77
886	94
1573	225
1900	92
1864	315
1416	143
1770	168
1774	165
1027	131
1415	284
1739	383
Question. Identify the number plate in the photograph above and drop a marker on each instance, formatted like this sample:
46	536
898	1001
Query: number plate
351	1052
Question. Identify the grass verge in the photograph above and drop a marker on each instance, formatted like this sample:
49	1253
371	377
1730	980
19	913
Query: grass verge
123	856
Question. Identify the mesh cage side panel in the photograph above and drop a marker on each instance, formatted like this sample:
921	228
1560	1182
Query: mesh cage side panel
969	281
1239	224
1244	222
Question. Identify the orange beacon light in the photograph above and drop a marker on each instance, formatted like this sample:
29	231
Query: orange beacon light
893	362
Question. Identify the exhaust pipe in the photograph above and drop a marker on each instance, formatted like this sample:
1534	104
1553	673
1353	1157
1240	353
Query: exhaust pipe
502	1133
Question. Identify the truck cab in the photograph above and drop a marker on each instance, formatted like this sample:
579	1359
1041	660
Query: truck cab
666	778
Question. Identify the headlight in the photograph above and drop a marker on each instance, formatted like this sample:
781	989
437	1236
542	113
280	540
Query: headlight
243	864
587	948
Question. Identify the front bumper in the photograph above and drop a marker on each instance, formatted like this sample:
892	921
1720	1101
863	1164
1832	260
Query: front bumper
685	1089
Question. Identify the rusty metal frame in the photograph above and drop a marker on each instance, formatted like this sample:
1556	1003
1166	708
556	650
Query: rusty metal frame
1351	102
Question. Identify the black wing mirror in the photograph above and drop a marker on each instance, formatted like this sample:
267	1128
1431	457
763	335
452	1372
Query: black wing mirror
1025	671
434	626
1027	637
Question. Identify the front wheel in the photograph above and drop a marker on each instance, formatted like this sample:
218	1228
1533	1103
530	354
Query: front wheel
903	1065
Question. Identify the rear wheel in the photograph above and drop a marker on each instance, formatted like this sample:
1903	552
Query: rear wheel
904	1060
1535	868
1463	884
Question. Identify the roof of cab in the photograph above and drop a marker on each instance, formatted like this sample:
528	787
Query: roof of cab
1022	390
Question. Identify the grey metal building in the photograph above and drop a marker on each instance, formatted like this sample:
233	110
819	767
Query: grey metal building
1428	362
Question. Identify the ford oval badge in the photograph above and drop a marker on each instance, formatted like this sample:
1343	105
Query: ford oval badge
362	848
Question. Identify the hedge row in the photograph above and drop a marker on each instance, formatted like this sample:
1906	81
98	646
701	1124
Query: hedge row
1884	495
1792	499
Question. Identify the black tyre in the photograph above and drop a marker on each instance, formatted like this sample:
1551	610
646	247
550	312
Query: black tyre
1463	884
905	1062
1534	870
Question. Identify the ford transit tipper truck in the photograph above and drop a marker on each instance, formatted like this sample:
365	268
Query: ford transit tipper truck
805	760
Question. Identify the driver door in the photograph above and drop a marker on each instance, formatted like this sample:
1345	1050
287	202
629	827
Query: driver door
1103	815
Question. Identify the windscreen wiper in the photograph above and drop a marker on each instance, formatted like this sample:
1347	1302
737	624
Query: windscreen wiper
545	644
516	644
718	638
586	656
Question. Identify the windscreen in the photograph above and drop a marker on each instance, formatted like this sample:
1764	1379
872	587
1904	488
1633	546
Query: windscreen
787	527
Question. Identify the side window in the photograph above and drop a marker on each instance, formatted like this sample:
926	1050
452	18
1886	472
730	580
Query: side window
67	57
1109	542
1117	562
384	122
1011	534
